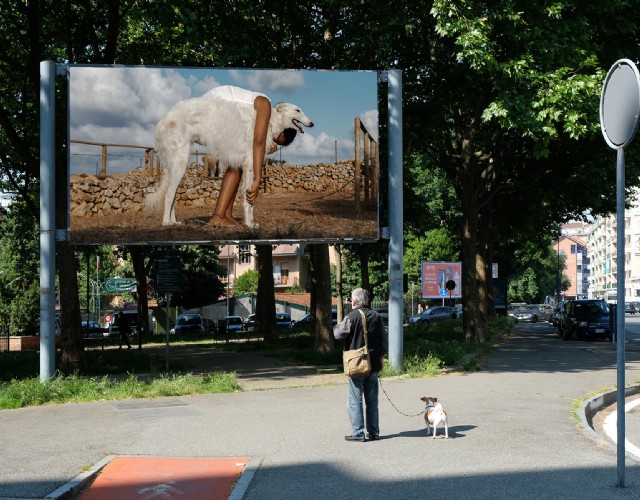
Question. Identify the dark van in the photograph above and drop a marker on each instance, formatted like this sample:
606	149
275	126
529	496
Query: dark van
586	319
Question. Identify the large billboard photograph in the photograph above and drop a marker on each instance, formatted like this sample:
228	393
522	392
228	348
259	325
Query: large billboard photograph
179	155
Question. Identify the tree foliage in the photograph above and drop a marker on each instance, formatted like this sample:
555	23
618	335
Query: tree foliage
501	133
19	270
246	282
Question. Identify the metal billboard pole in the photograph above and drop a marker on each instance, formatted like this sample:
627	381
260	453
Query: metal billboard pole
395	219
47	221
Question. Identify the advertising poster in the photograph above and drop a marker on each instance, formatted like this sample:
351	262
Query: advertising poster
166	155
435	276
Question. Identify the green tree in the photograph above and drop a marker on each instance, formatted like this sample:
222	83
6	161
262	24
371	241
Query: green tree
437	245
515	101
266	303
19	270
200	284
246	282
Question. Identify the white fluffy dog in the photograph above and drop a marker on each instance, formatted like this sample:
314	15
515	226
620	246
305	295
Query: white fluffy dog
225	128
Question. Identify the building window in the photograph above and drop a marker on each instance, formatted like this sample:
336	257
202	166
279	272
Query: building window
245	254
573	249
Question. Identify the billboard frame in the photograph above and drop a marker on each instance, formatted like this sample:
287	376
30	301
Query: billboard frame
202	234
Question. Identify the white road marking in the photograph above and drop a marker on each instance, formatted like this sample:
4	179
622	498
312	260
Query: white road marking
611	429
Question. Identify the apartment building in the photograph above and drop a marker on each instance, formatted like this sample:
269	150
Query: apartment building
576	266
603	252
290	264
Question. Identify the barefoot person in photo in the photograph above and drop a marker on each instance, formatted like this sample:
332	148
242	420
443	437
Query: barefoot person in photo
238	127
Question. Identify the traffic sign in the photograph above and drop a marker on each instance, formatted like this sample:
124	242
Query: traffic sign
168	272
443	292
119	285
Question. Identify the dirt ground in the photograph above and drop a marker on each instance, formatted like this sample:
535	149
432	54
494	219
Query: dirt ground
291	216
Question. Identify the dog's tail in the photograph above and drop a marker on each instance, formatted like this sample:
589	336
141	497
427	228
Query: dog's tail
154	201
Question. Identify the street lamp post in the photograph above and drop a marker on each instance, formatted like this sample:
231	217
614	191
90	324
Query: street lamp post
95	293
558	275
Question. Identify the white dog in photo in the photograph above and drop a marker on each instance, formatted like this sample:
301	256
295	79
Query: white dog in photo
225	128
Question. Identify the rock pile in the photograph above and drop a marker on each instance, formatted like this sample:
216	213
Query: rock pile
118	193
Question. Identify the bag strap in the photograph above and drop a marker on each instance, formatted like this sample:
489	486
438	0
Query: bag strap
364	327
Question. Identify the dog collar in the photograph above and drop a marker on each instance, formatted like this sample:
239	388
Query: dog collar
428	407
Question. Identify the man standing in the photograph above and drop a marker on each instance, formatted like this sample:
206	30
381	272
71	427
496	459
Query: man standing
123	327
352	331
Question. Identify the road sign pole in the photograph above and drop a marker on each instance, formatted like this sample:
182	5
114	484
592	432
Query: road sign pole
619	112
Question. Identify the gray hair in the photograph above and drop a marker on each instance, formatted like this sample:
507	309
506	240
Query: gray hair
360	297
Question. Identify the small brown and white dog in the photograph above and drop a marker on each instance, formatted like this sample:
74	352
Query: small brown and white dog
434	415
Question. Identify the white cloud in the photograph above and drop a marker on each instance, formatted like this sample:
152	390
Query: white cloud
264	81
370	121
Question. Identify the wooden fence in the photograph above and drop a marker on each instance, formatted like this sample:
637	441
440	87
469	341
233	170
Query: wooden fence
149	155
365	166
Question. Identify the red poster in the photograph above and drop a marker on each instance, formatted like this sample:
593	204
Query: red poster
435	276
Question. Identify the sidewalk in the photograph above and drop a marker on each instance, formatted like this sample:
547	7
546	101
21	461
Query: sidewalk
511	426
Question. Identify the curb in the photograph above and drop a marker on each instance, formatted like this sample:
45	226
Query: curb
74	487
591	406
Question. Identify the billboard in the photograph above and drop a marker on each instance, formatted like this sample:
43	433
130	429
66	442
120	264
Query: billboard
435	275
130	127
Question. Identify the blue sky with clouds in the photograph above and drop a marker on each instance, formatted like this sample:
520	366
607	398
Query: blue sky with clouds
122	104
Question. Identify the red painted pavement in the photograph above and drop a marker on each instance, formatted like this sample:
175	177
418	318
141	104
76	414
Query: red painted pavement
148	478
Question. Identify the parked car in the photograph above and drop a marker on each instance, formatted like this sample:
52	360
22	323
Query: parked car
431	315
522	313
545	312
384	314
232	323
457	312
630	308
209	325
530	313
283	320
92	330
558	311
188	323
586	319
249	323
304	322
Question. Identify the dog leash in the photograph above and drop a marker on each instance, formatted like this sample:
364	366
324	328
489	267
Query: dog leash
394	406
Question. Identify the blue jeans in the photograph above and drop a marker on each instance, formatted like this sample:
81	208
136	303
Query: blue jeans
366	386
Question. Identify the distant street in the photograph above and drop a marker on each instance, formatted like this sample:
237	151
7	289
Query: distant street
632	329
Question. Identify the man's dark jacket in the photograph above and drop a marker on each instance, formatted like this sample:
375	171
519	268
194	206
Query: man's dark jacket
350	329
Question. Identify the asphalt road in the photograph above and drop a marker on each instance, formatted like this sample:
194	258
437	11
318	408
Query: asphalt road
513	432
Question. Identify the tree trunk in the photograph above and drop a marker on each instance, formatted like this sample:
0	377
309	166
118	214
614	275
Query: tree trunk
468	192
321	289
266	301
140	272
363	253
340	299
72	356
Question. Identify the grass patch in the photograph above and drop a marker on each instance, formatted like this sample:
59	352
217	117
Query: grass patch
77	389
26	364
111	373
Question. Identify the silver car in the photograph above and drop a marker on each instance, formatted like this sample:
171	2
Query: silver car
432	315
